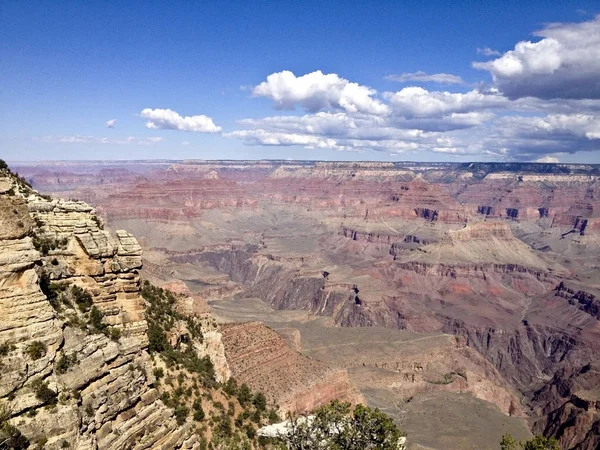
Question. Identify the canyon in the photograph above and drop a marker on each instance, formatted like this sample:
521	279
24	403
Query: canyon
461	299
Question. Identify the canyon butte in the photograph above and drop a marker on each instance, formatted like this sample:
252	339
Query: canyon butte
461	299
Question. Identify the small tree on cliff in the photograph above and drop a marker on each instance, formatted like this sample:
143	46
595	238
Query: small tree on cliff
537	443
337	426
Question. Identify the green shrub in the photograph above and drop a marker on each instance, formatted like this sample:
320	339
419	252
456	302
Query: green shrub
337	425
11	437
82	298
36	350
181	413
273	416
64	362
6	348
231	387
537	443
260	402
43	393
250	431
115	333
198	410
95	321
157	339
244	394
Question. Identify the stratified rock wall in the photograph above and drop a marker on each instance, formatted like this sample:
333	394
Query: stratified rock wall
100	390
259	357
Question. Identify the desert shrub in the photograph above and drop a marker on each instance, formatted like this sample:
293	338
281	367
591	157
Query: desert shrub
36	350
159	373
231	387
260	402
52	291
181	413
6	348
64	362
115	333
44	244
95	321
273	417
244	394
44	393
223	428
82	298
198	410
157	339
161	316
3	165
10	436
250	431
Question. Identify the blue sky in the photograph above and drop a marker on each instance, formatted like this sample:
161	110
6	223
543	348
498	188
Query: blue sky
301	80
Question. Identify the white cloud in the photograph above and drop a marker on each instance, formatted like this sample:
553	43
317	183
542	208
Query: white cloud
110	123
418	102
547	159
486	51
440	78
166	119
81	139
565	63
534	110
316	91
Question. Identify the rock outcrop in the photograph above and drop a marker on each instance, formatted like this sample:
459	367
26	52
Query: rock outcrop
62	386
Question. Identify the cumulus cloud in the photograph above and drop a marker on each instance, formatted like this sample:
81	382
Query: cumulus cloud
316	91
440	78
166	119
564	63
110	123
544	101
81	139
419	102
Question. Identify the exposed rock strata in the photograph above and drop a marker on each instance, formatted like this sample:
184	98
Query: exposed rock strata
259	357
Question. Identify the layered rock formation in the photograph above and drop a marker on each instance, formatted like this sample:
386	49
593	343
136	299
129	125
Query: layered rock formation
259	357
504	256
74	344
63	386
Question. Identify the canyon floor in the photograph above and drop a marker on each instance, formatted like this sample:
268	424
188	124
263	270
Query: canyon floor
463	300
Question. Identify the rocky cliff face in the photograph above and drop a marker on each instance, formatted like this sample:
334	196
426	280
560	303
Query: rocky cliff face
67	383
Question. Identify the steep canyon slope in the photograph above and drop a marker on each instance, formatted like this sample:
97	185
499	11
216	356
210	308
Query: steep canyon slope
78	369
502	259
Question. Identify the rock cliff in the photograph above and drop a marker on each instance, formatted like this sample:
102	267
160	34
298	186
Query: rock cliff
65	383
